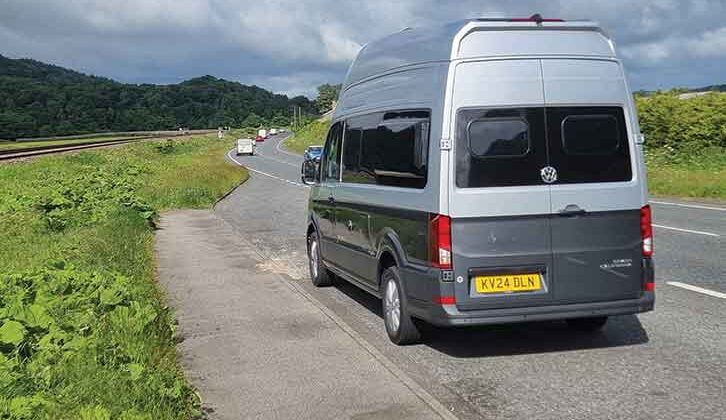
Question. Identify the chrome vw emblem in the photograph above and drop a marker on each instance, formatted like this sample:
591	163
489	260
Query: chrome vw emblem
548	174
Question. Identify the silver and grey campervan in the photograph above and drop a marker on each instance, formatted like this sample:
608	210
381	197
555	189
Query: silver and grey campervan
486	171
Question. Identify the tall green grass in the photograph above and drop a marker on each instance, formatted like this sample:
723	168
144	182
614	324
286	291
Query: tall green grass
313	133
84	330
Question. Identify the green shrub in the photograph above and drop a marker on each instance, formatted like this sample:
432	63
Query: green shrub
84	330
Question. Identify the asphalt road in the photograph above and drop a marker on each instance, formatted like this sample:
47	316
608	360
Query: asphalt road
666	364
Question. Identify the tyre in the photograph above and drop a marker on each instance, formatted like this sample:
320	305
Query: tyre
400	327
587	324
319	275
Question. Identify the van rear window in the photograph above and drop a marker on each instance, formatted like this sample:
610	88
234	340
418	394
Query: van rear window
590	135
499	147
510	146
588	144
498	137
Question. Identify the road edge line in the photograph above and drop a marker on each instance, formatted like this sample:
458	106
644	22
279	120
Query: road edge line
297	184
697	232
279	149
694	206
697	289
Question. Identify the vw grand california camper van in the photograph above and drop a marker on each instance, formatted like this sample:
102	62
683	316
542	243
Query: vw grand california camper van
486	171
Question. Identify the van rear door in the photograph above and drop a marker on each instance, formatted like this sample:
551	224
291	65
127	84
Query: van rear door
499	206
596	197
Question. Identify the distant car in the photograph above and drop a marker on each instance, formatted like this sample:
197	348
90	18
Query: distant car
259	138
246	147
273	131
311	161
313	152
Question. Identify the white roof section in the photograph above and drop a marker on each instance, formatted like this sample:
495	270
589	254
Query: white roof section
479	38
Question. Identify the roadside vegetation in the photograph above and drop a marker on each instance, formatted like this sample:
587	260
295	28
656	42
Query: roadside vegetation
313	133
685	143
84	329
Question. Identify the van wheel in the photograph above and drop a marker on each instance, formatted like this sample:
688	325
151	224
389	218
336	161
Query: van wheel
319	275
587	324
400	326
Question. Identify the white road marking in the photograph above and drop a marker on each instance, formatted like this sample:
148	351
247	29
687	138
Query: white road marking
229	155
697	232
697	289
279	143
694	206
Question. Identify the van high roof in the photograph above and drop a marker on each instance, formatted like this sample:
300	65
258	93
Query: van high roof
480	37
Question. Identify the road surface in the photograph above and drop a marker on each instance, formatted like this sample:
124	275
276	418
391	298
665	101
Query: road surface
666	364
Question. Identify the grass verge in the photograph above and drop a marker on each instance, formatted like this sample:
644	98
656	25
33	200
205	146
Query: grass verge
313	133
84	330
702	175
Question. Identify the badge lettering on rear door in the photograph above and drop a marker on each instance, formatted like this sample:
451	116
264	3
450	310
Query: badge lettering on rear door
618	263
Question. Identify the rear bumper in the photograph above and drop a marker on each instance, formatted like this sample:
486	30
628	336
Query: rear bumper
449	315
423	285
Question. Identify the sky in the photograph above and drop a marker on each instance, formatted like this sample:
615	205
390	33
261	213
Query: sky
293	46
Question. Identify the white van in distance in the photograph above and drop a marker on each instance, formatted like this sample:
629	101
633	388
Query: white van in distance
246	147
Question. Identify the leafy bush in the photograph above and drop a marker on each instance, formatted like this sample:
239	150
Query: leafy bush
84	331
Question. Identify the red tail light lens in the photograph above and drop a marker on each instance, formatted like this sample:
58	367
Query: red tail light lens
440	241
646	231
445	300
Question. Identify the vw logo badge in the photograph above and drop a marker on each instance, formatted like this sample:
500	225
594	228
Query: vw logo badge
549	174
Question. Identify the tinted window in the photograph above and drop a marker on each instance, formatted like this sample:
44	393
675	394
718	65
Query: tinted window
590	135
331	162
500	147
387	149
588	144
498	137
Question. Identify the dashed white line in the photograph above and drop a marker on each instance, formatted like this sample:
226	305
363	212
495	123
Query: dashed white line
697	289
694	206
697	232
229	155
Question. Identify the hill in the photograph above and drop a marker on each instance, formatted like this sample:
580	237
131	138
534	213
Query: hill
38	99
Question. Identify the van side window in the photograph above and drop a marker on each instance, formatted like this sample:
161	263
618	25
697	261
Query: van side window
387	149
499	137
331	154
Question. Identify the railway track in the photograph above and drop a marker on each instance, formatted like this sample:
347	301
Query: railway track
46	150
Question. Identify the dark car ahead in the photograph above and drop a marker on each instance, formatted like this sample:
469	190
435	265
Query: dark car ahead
311	160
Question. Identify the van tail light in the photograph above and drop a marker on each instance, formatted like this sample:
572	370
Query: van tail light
646	231
445	300
440	241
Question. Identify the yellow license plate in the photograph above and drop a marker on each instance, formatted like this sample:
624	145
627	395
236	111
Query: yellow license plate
509	283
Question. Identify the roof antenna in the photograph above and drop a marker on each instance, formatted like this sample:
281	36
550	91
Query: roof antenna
537	18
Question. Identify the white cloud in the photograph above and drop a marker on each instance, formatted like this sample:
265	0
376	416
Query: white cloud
710	44
291	45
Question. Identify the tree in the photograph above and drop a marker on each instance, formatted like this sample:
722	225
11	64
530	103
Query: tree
327	95
38	99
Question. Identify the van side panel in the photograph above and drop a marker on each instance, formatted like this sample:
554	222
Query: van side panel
371	217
